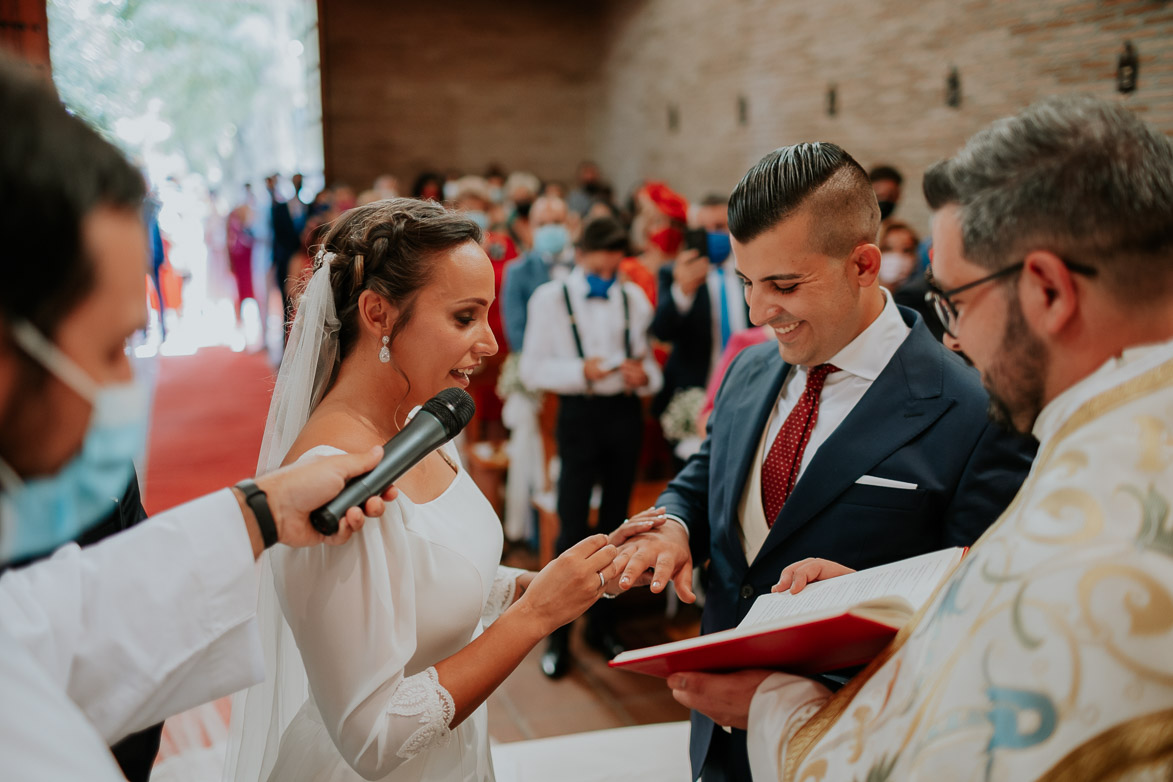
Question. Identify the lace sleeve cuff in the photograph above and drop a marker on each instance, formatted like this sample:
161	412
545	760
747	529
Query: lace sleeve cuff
501	594
423	698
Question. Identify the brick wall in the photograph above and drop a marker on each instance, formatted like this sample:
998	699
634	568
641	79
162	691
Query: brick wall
539	85
888	60
415	86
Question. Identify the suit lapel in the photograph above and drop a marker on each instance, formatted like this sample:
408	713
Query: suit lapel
748	416
904	401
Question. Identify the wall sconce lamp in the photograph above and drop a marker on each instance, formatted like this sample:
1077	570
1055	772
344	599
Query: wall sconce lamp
953	88
1127	69
832	100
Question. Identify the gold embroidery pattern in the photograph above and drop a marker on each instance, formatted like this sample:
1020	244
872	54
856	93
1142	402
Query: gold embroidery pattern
1076	517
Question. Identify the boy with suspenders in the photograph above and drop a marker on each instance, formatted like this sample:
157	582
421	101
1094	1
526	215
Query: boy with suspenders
586	340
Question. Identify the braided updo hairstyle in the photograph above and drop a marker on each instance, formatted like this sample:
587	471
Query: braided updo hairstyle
388	247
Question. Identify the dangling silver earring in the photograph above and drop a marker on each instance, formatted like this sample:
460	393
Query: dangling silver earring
385	352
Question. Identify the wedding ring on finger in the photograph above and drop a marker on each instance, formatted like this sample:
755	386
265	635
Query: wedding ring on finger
602	581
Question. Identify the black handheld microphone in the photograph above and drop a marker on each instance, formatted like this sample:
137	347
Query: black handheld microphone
441	418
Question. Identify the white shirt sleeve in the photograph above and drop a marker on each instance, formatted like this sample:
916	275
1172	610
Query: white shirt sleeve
352	611
681	299
43	735
549	361
148	623
782	704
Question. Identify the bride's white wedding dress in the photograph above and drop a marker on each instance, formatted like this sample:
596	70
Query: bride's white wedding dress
351	633
371	618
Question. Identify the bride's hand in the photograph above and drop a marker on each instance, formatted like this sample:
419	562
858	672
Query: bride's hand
570	584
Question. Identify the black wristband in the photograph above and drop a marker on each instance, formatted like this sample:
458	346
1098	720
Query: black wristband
255	497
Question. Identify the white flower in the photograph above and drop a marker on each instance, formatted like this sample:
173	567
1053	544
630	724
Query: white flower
679	419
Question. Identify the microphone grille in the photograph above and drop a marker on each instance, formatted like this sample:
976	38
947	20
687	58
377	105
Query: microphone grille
453	408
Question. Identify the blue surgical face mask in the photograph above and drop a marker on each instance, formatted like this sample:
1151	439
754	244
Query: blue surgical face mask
719	246
551	239
480	218
39	514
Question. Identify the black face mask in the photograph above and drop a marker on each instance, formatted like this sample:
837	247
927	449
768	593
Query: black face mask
886	209
522	208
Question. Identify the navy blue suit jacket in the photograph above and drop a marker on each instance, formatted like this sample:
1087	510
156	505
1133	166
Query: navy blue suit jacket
923	421
522	278
691	335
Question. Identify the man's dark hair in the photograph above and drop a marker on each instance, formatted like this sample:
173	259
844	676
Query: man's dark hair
820	176
885	174
603	234
54	171
1079	176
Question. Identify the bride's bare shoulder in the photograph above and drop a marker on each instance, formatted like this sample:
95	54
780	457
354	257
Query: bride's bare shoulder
335	429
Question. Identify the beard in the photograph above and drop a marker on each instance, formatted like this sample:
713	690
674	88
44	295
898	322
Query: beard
1016	377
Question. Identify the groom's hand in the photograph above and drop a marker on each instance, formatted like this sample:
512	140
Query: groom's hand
663	551
299	488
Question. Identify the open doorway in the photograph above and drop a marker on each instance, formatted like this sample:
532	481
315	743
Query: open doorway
211	99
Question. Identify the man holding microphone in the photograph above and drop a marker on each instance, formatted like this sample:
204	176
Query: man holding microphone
100	643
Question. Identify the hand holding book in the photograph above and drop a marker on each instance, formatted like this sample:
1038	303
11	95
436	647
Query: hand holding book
838	623
807	571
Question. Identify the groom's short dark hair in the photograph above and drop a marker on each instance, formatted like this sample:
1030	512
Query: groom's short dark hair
54	171
818	176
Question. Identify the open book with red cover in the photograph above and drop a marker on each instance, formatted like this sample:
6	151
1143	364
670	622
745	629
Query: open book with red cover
829	625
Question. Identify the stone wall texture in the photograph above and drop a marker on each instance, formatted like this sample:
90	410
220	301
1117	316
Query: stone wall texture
695	91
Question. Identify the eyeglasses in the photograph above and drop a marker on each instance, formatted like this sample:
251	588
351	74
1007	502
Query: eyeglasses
946	310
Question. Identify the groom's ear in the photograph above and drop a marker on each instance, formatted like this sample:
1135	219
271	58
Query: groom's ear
376	315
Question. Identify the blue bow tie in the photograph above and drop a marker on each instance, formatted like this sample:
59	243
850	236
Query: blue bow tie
598	286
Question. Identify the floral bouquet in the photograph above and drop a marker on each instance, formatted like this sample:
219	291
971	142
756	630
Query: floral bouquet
679	419
509	381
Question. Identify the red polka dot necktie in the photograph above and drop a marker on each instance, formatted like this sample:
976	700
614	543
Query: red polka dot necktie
780	470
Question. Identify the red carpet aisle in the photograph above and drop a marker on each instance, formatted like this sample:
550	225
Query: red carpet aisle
206	428
207	423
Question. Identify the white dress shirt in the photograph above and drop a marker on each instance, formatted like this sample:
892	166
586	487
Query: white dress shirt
112	639
734	293
860	362
551	362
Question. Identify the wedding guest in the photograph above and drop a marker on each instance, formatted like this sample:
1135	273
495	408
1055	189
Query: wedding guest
586	340
586	189
898	262
429	186
886	181
473	199
551	258
701	304
659	224
1047	654
240	241
521	190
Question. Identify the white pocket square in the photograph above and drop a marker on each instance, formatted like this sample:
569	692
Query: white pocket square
871	480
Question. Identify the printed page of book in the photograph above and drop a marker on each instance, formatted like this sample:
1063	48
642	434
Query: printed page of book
912	580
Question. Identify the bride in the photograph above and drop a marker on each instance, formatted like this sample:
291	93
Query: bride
380	654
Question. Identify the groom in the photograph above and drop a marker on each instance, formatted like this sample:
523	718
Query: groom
856	438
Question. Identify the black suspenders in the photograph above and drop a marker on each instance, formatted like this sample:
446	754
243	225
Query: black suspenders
578	337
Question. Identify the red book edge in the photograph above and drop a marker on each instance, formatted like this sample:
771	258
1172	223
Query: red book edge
826	644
